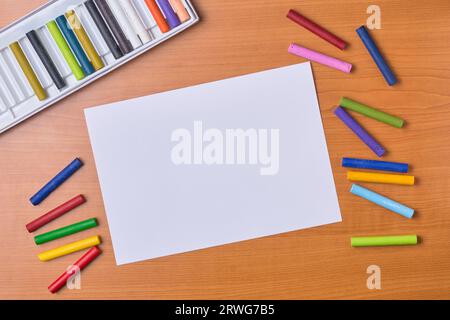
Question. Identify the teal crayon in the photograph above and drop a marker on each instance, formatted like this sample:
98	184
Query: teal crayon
75	45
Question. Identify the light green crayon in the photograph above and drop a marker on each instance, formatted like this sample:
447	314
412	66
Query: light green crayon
378	241
371	112
65	50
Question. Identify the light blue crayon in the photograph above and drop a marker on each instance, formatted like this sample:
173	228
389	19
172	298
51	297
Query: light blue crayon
382	201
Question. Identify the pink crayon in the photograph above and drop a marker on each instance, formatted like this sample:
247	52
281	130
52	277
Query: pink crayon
320	58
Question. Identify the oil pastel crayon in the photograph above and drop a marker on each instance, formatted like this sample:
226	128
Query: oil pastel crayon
83	38
28	70
135	21
124	23
124	44
103	29
382	201
377	241
320	58
375	177
79	265
157	15
45	59
371	112
65	231
375	165
55	213
65	50
180	10
359	131
171	16
69	248
74	44
316	29
54	183
376	55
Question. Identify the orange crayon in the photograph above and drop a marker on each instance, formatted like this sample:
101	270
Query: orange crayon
157	15
180	10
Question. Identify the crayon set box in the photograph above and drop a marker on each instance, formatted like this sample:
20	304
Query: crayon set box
66	44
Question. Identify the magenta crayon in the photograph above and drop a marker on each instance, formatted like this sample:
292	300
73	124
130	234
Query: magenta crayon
320	58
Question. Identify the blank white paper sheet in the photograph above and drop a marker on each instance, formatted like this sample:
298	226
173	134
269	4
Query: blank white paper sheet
213	164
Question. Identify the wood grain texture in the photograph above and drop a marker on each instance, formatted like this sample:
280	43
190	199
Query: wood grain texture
235	38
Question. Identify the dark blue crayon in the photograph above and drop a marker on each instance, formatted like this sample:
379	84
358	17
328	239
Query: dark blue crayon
56	181
375	165
72	40
376	55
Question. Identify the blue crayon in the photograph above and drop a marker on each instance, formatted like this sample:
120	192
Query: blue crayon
171	16
56	181
376	55
375	165
382	201
72	40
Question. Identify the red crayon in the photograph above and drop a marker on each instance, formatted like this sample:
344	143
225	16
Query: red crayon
55	213
80	264
316	29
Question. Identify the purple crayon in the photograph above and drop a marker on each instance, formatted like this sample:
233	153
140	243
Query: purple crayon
359	131
171	16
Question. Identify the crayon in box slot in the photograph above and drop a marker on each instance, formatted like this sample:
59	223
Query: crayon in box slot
66	44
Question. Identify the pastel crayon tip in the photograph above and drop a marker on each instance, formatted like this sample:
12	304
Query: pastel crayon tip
379	151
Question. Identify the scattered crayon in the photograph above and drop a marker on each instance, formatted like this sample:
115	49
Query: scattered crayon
69	248
359	131
79	265
376	241
371	112
65	231
316	29
382	201
380	177
320	58
376	55
375	165
55	213
56	181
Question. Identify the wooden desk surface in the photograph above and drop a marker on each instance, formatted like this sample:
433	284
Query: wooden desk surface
234	38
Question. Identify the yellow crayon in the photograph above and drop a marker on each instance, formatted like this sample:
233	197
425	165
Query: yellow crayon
28	71
82	36
380	177
69	248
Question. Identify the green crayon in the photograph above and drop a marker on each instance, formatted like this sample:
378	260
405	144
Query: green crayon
371	112
378	241
65	50
65	231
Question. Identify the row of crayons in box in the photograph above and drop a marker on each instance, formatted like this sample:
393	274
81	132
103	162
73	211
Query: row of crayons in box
90	243
118	23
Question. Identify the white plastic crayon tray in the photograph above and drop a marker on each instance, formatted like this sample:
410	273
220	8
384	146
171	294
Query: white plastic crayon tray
17	99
